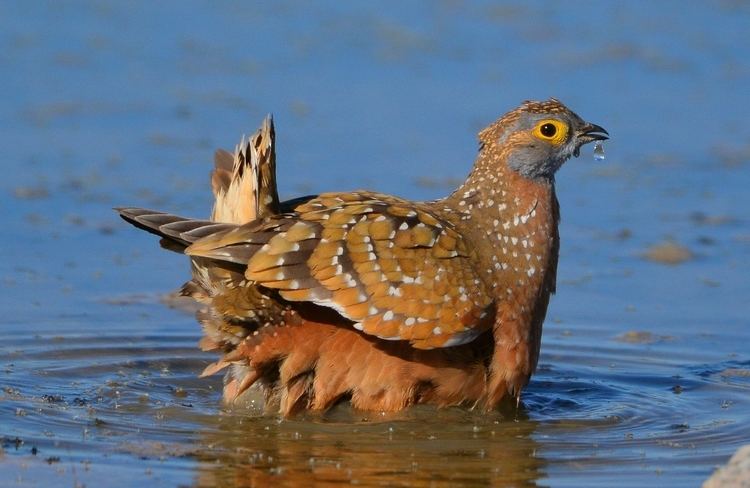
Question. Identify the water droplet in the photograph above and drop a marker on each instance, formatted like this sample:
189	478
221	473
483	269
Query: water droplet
599	151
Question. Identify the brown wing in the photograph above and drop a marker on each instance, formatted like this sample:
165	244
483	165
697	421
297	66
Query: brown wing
391	266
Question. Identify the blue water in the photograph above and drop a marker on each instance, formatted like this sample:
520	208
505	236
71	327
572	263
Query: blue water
110	103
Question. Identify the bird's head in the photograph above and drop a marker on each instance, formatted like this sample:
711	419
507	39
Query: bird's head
538	137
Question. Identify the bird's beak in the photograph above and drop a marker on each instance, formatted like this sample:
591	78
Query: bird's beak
589	133
592	132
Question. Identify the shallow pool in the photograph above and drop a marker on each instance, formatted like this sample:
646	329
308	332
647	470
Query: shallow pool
644	377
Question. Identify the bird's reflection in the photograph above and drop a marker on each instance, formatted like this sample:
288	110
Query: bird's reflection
420	447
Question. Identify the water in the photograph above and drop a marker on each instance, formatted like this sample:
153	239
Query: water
645	371
599	151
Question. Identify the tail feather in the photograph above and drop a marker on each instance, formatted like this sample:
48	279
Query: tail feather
179	230
265	145
244	185
221	176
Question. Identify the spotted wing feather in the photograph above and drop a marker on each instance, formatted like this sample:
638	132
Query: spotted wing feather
394	268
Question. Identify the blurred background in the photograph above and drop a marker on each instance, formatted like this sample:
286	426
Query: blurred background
645	368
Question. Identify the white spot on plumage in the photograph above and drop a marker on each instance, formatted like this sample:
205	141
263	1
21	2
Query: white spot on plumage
437	330
388	315
409	321
403	226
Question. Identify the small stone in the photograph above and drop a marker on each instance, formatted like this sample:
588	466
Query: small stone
735	473
668	252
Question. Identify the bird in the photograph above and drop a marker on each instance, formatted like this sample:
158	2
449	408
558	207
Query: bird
374	299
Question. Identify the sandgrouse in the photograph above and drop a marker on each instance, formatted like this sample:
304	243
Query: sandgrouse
376	299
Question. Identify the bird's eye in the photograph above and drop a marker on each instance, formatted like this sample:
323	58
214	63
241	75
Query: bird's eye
551	130
548	130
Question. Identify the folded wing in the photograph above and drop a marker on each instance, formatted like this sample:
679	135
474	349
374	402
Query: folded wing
394	268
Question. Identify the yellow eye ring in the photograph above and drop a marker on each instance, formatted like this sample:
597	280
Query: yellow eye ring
552	131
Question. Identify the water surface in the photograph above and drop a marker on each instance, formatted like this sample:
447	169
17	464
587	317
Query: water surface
644	376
